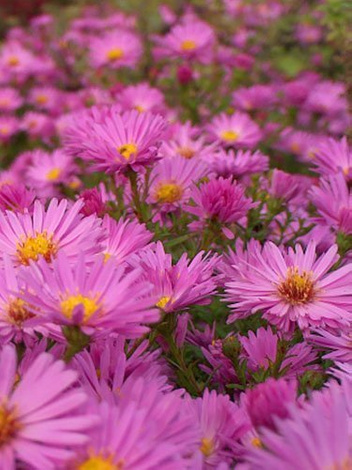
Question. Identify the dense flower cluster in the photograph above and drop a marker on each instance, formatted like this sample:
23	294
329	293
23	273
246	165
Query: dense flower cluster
175	240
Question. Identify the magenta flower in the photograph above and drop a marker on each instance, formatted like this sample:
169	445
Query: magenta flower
293	287
312	438
44	234
220	201
236	130
193	39
10	99
115	50
270	400
334	156
238	164
142	97
42	419
177	287
101	298
124	238
130	139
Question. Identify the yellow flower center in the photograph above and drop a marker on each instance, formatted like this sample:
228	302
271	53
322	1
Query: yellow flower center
188	45
207	447
127	150
13	61
53	174
297	288
4	130
42	99
229	136
186	152
256	442
33	247
89	305
9	425
139	108
4	102
115	54
163	301
295	147
169	193
18	312
100	463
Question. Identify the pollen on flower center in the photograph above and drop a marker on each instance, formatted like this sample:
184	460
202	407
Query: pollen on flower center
53	174
163	301
188	45
139	108
169	192
115	54
18	312
100	463
297	288
13	61
186	152
41	99
229	136
89	305
207	447
127	150
9	425
33	247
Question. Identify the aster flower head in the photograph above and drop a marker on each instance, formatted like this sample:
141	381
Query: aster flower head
122	141
254	97
220	423
186	142
238	163
46	171
124	238
42	430
28	237
313	437
293	287
270	400
172	178
178	286
47	98
37	124
142	97
219	201
115	50
16	198
193	39
236	130
10	99
9	126
334	156
333	201
100	298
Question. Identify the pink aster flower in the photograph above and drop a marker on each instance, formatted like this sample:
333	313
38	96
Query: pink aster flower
115	50
171	180
236	130
333	201
327	97
186	142
46	171
262	348
47	98
292	287
193	39
315	437
339	345
25	237
254	97
124	237
270	400
9	126
176	287
37	125
220	201
238	164
10	99
101	298
147	430
40	430
130	139
221	423
142	97
334	156
14	197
